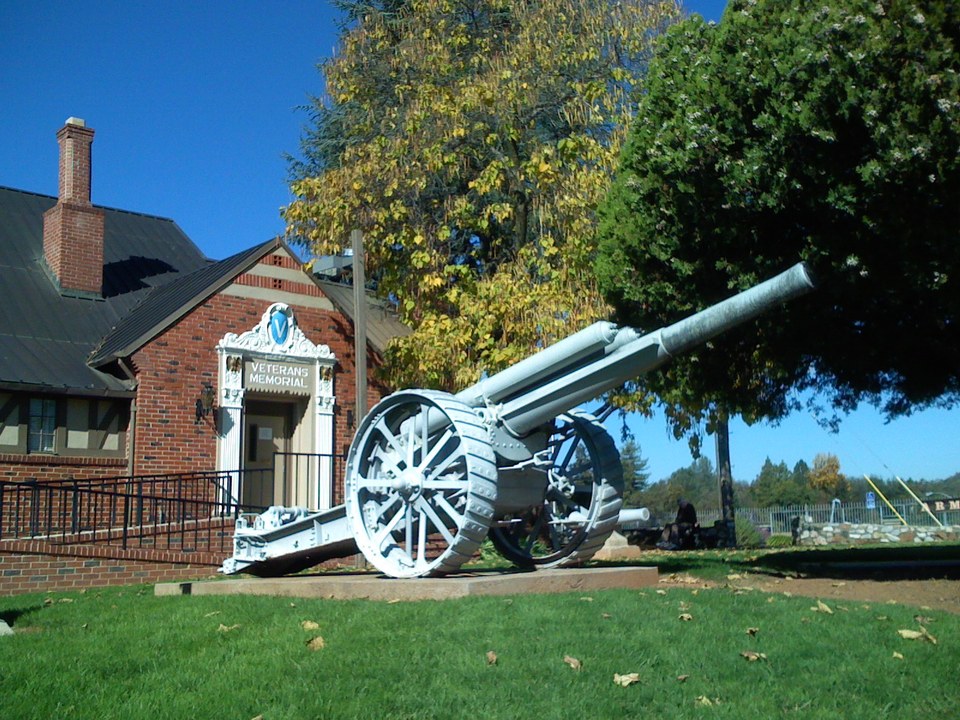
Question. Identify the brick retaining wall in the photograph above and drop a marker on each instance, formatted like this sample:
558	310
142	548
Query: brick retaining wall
35	566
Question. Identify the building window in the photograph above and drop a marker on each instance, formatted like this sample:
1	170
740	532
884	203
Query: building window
43	425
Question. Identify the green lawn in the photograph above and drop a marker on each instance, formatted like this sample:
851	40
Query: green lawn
124	653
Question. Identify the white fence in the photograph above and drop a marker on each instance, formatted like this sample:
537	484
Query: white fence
779	519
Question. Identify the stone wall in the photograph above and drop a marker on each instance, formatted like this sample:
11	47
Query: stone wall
871	533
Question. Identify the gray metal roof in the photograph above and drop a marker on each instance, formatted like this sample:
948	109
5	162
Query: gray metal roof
153	275
46	338
163	307
382	325
167	304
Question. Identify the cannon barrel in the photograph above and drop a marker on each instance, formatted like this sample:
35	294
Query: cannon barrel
603	356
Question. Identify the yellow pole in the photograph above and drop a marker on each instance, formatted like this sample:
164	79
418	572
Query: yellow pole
884	498
920	502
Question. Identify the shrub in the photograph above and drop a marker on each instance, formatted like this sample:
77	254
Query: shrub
779	541
747	534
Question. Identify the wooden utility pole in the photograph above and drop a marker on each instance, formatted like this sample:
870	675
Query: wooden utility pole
359	323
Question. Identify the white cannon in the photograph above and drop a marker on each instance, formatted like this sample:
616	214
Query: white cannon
430	474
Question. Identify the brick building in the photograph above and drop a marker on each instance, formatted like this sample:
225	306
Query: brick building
125	353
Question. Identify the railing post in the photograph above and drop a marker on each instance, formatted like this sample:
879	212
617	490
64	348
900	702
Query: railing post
34	508
75	508
126	520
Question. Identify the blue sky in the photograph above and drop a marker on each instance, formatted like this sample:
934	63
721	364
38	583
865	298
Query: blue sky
194	106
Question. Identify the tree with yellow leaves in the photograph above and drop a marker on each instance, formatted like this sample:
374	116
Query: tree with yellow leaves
471	142
826	476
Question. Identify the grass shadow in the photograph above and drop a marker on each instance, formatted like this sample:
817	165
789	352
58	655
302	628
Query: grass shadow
10	616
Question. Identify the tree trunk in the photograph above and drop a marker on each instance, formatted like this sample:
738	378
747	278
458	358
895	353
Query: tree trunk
728	533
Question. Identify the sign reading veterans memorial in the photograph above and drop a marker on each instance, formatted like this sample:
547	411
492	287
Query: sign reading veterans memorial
274	376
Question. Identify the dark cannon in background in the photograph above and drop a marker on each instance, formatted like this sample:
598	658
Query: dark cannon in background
431	474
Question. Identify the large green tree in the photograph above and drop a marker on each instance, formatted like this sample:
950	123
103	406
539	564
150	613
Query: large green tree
635	473
471	142
825	131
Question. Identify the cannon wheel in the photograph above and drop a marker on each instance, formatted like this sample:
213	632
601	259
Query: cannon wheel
420	484
581	504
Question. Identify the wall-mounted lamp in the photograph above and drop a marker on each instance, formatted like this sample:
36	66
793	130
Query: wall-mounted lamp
204	402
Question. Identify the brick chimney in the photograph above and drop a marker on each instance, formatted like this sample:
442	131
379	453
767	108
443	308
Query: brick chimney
73	228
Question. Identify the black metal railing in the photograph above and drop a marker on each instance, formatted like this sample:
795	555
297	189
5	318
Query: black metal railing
125	516
183	512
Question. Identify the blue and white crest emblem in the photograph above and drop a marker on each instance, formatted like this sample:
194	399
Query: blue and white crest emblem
279	326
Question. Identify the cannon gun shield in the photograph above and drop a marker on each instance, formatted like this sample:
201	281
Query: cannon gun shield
420	484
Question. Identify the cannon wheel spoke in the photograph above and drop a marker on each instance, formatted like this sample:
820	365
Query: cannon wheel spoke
420	484
581	504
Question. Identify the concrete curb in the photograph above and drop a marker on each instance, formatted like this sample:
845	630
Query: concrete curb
369	586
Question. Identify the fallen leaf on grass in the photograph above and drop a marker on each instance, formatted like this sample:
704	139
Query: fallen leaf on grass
920	634
752	656
707	702
491	657
316	643
586	599
225	628
572	662
625	680
752	631
212	614
309	625
393	602
685	617
682	678
661	592
922	619
897	655
822	607
606	616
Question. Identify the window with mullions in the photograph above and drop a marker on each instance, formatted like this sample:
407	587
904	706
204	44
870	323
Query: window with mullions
43	425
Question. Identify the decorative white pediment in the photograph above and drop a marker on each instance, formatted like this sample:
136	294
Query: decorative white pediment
277	333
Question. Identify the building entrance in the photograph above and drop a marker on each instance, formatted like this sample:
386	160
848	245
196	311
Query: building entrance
276	413
266	432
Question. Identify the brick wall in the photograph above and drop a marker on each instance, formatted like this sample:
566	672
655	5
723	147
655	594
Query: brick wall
172	368
170	371
30	566
20	468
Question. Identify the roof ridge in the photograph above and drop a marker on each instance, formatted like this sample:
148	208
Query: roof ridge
213	277
152	216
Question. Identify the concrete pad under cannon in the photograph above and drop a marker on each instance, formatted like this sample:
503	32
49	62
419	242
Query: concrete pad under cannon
370	586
